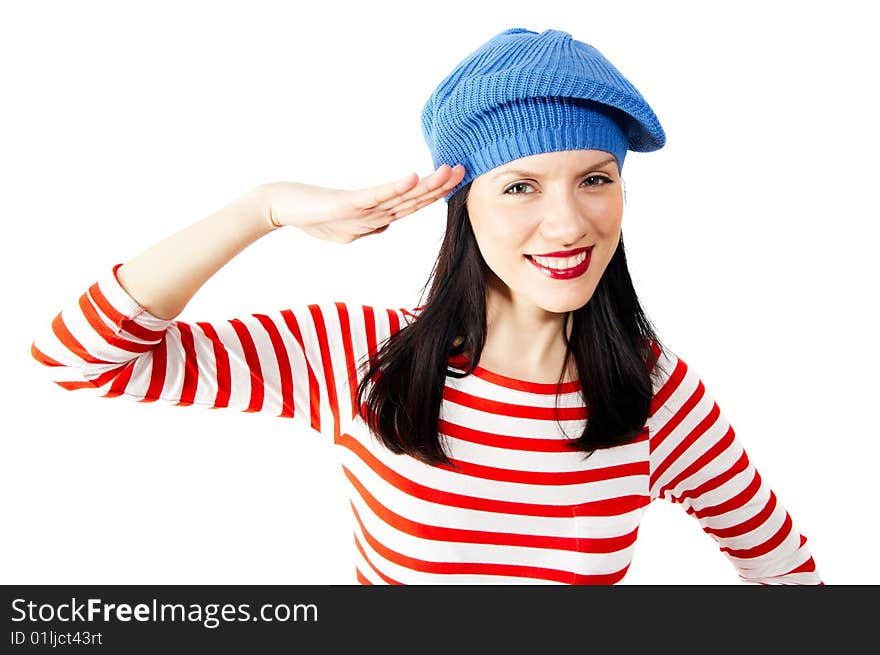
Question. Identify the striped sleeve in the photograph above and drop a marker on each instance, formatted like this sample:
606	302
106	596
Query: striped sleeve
697	461
295	363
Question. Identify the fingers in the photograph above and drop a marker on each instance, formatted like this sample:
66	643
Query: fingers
416	203
412	206
434	186
371	197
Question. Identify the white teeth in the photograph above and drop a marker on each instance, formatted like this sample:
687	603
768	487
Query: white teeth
560	262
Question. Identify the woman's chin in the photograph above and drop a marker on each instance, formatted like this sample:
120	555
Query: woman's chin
564	306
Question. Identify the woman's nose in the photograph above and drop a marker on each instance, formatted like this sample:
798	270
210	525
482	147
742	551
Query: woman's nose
563	221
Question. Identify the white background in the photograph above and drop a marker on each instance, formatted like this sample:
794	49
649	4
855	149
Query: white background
751	238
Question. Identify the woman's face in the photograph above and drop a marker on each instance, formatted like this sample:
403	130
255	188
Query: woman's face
546	203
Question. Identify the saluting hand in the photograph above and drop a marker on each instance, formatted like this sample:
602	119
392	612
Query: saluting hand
343	215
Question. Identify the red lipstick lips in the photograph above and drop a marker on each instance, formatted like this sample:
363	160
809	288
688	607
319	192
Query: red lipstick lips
565	273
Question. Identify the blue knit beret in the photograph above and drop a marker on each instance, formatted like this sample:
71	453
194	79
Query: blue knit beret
522	93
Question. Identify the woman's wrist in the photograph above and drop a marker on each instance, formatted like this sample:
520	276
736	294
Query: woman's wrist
260	198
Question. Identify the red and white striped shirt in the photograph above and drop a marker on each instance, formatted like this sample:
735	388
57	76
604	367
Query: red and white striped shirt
520	508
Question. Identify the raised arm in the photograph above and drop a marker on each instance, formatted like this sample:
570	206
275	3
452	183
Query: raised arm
119	338
164	278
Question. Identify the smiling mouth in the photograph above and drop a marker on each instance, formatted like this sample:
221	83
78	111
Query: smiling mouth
577	265
554	261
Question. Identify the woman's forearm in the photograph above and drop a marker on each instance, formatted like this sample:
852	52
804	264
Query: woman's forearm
164	278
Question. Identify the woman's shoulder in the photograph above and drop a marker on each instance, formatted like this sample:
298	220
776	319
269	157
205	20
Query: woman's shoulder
674	381
662	363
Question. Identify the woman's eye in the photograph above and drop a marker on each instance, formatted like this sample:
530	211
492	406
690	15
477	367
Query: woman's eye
605	180
514	186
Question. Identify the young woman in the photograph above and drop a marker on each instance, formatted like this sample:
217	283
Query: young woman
514	427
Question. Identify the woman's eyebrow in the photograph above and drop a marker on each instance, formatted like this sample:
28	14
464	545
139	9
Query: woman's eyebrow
519	171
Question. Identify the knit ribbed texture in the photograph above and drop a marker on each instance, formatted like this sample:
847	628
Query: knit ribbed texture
523	93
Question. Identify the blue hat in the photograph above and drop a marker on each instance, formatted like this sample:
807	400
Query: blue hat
522	93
